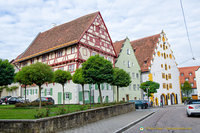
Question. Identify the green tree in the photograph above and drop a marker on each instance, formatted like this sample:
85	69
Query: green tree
39	74
149	87
186	88
79	79
97	70
23	77
120	79
62	77
6	73
12	88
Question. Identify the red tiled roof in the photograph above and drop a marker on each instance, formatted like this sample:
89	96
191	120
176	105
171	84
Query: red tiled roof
186	74
144	50
59	36
118	45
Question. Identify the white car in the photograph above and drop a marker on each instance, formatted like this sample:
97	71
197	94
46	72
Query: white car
193	107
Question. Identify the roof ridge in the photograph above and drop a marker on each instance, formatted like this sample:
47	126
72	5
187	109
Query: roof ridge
145	37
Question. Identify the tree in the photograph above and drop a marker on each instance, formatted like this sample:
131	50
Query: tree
12	88
6	73
186	88
2	88
97	70
62	77
39	74
120	79
79	79
149	87
23	77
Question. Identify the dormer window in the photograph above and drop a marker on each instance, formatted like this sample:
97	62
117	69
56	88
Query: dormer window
145	62
59	53
190	74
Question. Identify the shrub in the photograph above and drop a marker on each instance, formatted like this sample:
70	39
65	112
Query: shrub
61	111
39	114
185	98
47	113
32	104
82	108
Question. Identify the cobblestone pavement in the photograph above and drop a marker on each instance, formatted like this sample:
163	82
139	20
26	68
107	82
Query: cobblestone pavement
112	124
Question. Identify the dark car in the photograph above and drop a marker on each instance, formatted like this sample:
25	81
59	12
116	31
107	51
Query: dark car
138	104
145	103
1	101
5	99
14	100
45	99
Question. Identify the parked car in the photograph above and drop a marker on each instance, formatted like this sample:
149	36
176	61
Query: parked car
23	98
193	107
138	104
1	101
146	103
45	99
14	100
5	99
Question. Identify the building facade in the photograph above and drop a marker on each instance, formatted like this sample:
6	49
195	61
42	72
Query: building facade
188	74
127	61
197	73
158	64
66	47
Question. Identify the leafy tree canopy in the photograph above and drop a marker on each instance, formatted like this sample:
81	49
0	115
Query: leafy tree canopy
61	76
151	86
40	73
12	88
23	76
186	88
97	70
6	72
121	78
78	77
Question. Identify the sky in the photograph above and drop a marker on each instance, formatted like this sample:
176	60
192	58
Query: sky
22	20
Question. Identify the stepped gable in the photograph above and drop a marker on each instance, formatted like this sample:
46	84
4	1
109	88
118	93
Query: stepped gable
62	35
144	50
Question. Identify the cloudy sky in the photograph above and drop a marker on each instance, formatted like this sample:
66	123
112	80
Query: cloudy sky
22	20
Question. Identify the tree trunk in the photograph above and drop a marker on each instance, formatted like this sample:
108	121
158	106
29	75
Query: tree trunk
40	105
63	95
25	93
100	93
83	94
117	93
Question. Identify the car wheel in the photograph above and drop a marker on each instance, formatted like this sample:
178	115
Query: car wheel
188	115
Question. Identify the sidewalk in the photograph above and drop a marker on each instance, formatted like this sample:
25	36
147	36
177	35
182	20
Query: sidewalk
113	124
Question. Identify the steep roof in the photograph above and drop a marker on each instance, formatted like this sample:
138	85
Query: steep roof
144	50
118	45
59	36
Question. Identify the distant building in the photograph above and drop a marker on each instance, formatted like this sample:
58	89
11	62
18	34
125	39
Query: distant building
188	74
197	73
126	60
158	64
66	47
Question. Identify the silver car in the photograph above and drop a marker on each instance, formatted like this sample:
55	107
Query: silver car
193	107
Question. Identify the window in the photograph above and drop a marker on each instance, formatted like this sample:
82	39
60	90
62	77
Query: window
132	64
43	58
138	87
145	62
192	84
137	75
190	74
164	85
182	74
161	45
128	52
161	65
165	66
164	56
186	79
109	59
71	68
134	87
163	75
61	68
73	50
32	61
133	74
166	77
169	76
124	62
194	78
158	53
59	53
170	85
129	64
93	53
170	56
169	67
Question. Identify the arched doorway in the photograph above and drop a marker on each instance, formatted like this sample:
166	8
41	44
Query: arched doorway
156	101
173	98
176	99
163	99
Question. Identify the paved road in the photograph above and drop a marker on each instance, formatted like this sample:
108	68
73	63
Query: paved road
171	119
112	124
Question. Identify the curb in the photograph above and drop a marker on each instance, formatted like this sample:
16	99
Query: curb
133	123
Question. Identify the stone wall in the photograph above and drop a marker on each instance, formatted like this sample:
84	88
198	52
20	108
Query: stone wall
66	121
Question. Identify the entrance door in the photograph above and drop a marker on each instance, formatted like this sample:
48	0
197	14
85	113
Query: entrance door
59	97
176	99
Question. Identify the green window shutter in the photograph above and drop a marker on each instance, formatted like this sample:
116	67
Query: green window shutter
59	97
51	91
24	92
36	91
70	96
107	86
30	91
90	86
27	92
102	86
80	96
96	87
99	99
33	91
45	92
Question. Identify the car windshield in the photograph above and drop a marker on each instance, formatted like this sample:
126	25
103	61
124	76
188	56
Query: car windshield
194	102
